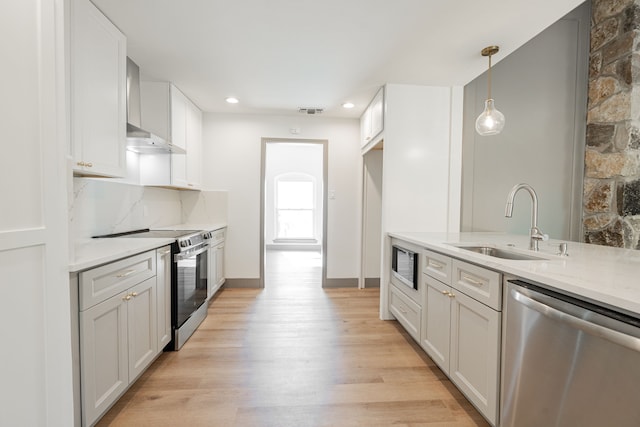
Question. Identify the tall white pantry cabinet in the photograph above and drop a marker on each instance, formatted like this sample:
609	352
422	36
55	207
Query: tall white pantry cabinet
36	368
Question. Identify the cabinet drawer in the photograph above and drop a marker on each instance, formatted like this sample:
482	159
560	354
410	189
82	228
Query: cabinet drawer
437	266
406	311
218	236
479	283
101	283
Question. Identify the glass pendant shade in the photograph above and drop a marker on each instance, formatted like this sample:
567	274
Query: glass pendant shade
490	121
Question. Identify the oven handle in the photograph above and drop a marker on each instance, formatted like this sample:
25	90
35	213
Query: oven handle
191	253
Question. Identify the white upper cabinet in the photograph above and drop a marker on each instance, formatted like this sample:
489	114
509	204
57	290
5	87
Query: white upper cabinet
178	107
194	145
168	113
98	93
372	120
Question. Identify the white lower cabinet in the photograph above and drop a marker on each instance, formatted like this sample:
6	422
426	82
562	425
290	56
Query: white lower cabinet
141	326
406	311
163	282
216	276
436	322
474	364
462	334
104	356
118	331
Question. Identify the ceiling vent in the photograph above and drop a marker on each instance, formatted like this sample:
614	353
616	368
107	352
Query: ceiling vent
310	111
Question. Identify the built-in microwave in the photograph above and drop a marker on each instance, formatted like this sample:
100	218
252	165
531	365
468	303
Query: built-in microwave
404	266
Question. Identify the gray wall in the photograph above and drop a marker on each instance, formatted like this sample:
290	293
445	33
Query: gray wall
541	89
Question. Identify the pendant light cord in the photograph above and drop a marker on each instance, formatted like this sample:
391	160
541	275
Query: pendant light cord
489	78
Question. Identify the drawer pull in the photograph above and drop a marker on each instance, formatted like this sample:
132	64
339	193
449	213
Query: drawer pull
126	273
445	292
126	298
134	294
472	281
435	265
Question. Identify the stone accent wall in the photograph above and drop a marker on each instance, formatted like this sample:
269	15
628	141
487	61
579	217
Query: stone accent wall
611	212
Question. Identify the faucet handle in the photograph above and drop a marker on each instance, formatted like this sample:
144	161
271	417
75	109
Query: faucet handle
536	234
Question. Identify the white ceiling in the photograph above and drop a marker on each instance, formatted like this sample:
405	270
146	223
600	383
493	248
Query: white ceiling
278	55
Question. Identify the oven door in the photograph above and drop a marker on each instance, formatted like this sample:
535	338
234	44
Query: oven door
191	282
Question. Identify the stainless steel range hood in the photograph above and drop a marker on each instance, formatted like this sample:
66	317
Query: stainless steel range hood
138	139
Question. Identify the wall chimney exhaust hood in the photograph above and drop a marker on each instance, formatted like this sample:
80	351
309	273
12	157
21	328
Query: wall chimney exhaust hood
138	139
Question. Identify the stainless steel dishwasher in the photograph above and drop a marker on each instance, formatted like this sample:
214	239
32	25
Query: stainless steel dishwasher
567	362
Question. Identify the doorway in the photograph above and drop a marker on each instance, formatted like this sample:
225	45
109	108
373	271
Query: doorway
371	245
293	213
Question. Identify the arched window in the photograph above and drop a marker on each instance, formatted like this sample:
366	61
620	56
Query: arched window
295	206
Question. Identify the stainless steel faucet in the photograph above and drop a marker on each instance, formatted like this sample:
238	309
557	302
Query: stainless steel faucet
535	234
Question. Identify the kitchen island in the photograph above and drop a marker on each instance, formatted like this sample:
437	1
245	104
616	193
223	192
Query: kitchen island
473	314
604	275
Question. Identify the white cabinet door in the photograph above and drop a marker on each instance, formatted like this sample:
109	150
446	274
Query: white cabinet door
475	349
169	113
103	355
179	170
141	326
436	320
163	293
194	146
178	111
212	270
377	114
365	127
372	120
98	92
216	269
220	265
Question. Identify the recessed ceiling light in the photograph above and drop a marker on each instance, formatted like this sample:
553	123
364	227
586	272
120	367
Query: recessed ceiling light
232	100
348	105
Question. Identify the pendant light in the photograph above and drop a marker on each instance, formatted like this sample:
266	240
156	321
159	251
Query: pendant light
490	121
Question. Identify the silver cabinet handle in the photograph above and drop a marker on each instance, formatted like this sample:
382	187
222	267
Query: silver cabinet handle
435	264
596	330
472	281
126	273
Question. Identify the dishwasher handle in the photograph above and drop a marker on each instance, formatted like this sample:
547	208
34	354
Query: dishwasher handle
594	329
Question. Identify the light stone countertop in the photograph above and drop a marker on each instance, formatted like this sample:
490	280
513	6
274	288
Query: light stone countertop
188	226
605	275
90	252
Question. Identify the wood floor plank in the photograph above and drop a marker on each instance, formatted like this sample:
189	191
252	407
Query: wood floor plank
293	354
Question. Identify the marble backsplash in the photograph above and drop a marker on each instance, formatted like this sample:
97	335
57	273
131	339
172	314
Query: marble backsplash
99	206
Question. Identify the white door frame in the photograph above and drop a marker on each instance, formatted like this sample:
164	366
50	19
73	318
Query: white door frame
325	183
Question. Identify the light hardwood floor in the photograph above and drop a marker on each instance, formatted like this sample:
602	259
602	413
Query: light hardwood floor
295	355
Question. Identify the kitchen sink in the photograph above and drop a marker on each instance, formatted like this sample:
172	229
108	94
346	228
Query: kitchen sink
502	253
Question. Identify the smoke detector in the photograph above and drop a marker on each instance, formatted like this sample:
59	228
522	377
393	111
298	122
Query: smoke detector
310	111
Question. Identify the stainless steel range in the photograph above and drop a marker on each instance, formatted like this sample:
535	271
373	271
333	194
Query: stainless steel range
188	279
